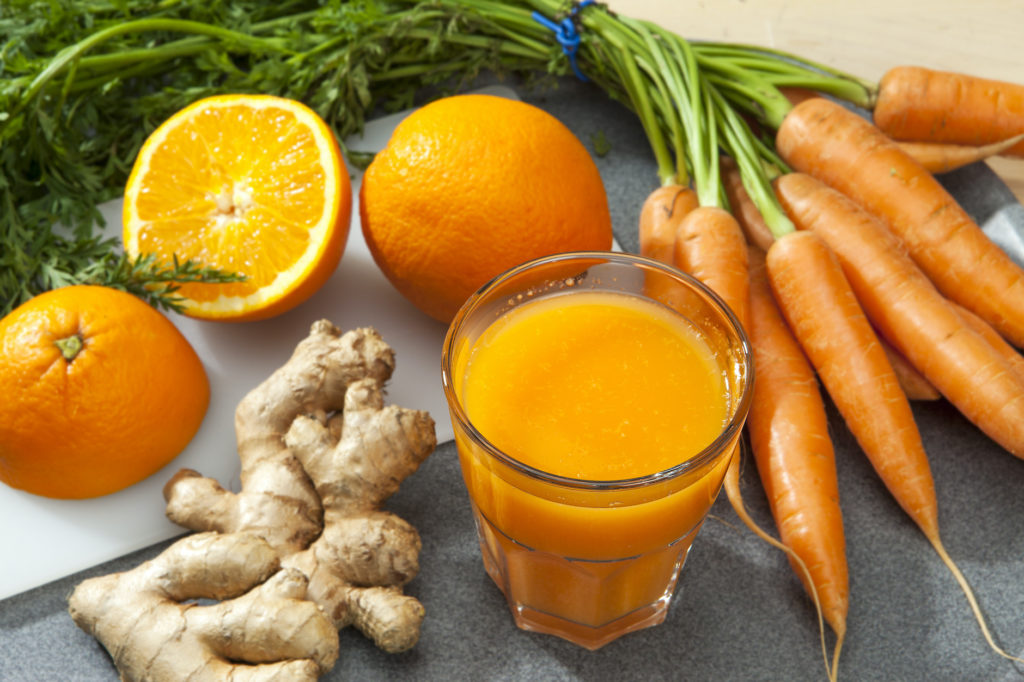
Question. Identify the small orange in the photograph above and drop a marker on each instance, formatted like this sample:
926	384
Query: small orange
100	391
251	184
469	186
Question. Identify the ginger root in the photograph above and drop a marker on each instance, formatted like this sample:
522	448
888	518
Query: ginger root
262	627
320	453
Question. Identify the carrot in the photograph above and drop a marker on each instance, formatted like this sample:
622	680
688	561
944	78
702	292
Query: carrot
789	437
908	310
709	243
922	324
660	214
823	313
757	233
823	139
914	384
710	246
914	103
979	325
743	208
938	157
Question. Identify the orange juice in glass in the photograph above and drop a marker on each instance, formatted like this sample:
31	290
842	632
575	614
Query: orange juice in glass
597	399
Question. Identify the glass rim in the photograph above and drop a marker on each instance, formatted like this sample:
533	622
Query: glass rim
708	453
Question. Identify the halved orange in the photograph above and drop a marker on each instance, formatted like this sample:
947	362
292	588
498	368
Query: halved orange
250	184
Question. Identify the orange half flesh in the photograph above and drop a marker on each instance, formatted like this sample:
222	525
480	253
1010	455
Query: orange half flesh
250	184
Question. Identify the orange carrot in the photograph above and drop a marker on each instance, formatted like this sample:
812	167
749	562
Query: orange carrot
908	310
758	214
921	104
789	437
823	139
979	325
660	214
757	233
823	313
743	208
938	157
921	323
914	384
710	246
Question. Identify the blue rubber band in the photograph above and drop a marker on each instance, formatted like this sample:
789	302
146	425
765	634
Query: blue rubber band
566	34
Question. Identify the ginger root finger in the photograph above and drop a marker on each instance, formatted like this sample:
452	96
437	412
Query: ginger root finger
270	623
147	620
199	503
361	457
384	615
370	548
357	459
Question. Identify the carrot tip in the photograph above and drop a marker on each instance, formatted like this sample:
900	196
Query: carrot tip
735	496
969	593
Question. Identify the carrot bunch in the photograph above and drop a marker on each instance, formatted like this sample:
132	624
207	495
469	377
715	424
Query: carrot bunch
862	273
942	119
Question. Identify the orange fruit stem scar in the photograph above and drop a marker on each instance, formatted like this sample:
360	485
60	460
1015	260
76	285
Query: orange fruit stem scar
70	346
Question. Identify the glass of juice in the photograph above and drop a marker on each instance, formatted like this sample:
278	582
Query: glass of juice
597	400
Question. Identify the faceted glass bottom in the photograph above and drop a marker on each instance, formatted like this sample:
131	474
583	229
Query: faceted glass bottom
589	603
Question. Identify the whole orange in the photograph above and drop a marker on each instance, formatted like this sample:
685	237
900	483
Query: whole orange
100	391
471	185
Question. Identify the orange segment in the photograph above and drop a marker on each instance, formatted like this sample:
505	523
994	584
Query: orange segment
252	184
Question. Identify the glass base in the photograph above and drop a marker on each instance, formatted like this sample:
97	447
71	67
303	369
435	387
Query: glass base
588	637
589	603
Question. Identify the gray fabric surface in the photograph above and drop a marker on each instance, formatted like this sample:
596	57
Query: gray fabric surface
740	613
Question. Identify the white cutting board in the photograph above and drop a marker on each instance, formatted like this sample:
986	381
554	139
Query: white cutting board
42	539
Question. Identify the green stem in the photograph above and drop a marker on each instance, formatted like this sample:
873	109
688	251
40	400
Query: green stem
110	62
479	41
666	89
514	18
704	142
70	346
739	143
631	78
72	53
771	105
732	50
786	69
185	47
691	130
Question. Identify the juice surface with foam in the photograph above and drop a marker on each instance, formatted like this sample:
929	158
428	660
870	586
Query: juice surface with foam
595	385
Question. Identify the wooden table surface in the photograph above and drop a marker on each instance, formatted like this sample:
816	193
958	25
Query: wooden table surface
865	37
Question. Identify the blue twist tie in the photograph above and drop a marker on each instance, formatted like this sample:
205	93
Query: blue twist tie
566	34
